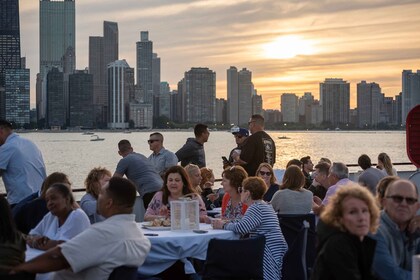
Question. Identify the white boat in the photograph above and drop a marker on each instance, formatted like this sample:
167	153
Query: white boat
88	133
96	138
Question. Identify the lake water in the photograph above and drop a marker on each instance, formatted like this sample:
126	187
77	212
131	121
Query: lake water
74	154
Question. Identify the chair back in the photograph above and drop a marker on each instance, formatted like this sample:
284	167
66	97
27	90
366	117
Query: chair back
124	273
300	234
235	259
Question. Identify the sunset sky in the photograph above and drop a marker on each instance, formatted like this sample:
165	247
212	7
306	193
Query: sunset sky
289	45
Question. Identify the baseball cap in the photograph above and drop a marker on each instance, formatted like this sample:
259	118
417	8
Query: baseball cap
238	130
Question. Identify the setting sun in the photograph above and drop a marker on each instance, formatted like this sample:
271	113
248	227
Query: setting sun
288	47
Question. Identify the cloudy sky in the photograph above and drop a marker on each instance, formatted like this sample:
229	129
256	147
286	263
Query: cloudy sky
289	45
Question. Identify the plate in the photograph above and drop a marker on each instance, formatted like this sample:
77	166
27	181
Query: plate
147	225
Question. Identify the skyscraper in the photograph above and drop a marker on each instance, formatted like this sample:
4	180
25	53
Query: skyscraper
289	107
410	92
81	99
102	51
368	104
56	45
239	95
200	95
145	66
17	97
335	101
9	44
56	109
120	85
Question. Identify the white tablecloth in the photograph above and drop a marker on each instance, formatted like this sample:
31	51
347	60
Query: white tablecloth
32	253
170	246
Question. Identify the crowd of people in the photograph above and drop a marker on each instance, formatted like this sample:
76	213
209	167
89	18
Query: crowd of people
366	229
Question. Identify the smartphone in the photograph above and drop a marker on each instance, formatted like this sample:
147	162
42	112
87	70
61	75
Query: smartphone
200	231
225	159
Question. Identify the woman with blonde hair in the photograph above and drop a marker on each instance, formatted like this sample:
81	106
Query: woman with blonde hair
292	198
265	172
96	178
345	251
385	164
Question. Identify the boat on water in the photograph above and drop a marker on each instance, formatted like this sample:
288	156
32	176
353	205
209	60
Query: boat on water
283	137
97	138
88	133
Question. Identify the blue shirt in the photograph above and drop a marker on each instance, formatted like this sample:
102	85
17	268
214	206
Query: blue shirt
22	167
163	160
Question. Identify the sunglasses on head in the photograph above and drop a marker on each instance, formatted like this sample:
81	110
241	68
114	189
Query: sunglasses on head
263	173
399	199
151	140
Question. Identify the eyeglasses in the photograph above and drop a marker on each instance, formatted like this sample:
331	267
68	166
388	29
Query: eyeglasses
151	141
399	199
263	173
238	136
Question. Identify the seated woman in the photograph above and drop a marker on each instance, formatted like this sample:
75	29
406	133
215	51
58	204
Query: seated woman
96	178
259	219
292	198
232	206
381	187
176	185
12	244
31	213
265	172
211	199
62	223
385	164
194	175
345	251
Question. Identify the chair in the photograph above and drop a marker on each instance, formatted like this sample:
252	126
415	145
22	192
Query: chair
234	259
18	276
300	235
124	273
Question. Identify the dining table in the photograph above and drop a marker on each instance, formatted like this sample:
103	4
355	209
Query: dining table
170	246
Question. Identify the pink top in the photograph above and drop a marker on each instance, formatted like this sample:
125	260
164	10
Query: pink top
156	203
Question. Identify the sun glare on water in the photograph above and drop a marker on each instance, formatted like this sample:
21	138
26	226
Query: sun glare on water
288	47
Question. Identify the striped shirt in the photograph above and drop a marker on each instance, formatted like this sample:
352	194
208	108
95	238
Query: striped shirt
260	219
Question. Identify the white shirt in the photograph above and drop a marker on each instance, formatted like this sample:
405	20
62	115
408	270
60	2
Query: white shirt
95	253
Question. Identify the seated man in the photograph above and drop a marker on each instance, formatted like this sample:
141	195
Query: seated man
96	252
396	238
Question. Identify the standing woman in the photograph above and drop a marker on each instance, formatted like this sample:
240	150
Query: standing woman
62	223
12	244
259	219
293	198
232	206
265	172
385	164
96	178
345	251
176	185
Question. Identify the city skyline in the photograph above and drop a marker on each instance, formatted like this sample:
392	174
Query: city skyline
335	40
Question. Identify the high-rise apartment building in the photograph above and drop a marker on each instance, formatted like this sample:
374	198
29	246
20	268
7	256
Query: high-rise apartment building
9	45
57	30
221	106
290	108
17	96
81	99
368	104
102	51
56	108
410	92
239	95
145	67
200	95
335	101
120	87
305	104
257	104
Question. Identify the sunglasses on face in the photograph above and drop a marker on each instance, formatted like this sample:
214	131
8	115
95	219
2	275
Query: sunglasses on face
151	141
263	173
399	199
238	136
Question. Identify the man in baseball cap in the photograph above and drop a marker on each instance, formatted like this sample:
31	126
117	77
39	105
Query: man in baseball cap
240	134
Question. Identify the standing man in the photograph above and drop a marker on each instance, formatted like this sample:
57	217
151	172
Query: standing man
193	149
397	238
104	246
240	134
139	170
258	148
161	158
21	164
